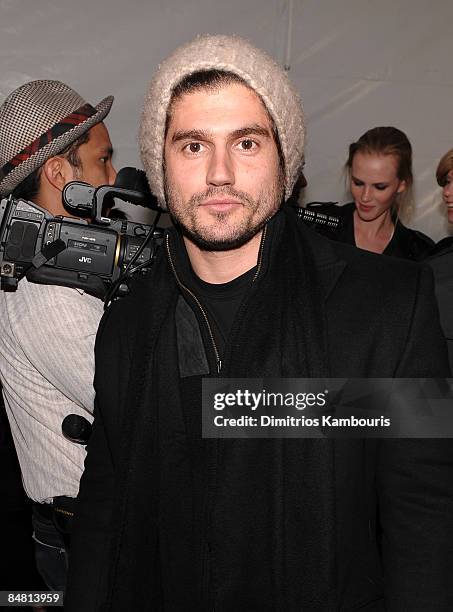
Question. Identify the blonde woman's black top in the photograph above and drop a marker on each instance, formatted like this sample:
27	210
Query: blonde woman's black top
405	243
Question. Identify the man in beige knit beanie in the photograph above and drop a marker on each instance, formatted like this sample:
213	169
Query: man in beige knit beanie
171	520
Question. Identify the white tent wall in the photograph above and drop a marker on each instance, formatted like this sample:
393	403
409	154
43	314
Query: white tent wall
356	63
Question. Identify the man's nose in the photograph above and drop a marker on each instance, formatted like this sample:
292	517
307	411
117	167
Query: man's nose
112	174
447	190
220	170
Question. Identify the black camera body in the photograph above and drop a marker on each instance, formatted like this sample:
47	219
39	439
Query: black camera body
70	251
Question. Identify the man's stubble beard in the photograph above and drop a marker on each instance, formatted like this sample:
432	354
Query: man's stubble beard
185	215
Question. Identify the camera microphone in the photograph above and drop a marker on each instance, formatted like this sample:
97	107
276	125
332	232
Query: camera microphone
135	180
76	428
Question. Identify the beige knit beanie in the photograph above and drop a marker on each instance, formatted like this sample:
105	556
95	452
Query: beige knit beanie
256	68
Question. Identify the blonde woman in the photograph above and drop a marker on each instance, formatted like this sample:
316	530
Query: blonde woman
379	169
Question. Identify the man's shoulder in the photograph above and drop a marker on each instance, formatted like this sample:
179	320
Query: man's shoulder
141	289
366	259
349	276
145	296
32	298
54	292
378	270
358	261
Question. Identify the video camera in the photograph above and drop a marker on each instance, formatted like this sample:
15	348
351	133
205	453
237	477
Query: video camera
97	256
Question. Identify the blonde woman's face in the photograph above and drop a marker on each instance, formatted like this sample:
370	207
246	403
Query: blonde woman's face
374	184
447	194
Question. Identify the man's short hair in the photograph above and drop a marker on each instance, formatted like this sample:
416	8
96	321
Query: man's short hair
29	188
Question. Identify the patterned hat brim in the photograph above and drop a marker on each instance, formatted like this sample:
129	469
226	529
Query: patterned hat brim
56	146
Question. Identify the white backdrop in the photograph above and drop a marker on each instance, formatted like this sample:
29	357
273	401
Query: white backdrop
356	63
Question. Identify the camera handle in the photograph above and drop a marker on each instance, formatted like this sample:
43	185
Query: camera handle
49	251
84	200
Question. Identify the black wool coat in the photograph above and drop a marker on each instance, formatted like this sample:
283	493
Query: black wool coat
168	521
441	262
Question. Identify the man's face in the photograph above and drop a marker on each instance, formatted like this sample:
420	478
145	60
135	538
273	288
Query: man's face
96	158
222	173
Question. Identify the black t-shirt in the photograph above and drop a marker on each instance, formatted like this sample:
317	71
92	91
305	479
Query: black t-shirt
222	302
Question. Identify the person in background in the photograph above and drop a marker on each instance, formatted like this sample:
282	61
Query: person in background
379	169
444	176
49	136
441	257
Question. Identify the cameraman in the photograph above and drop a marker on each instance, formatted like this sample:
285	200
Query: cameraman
49	136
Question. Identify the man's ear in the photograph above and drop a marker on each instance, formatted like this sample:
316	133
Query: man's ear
58	171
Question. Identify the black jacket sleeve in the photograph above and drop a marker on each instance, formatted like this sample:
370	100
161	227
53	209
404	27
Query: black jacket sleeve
94	516
415	484
89	554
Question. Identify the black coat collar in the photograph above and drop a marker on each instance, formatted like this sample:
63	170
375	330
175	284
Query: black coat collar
328	265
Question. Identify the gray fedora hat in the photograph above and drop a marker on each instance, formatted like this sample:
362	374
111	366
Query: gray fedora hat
37	121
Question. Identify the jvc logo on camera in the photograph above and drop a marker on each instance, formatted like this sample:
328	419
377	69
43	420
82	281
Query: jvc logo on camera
85	259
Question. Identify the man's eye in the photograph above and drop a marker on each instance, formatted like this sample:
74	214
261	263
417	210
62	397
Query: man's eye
247	144
193	147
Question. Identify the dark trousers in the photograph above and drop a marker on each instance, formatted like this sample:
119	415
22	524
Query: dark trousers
52	526
17	560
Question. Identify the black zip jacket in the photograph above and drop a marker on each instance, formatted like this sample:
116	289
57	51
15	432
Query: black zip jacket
169	521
